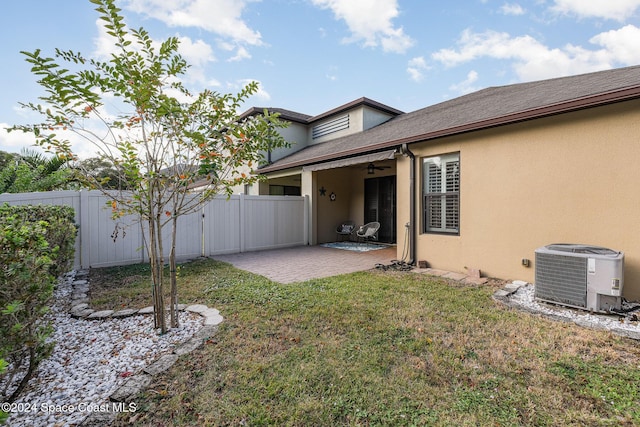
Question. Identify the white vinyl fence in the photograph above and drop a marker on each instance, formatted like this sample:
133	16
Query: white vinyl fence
239	224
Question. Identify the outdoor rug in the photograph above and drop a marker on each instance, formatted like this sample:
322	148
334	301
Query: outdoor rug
354	246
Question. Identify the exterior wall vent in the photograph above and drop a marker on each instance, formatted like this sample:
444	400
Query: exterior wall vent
335	125
581	276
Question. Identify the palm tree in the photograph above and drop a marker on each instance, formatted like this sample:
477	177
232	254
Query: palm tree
33	171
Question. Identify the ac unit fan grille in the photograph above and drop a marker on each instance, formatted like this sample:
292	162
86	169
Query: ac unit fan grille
562	279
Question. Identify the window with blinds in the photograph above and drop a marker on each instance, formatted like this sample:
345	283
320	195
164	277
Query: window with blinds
441	193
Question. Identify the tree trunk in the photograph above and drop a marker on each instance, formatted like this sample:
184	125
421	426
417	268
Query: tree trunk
163	321
173	275
156	260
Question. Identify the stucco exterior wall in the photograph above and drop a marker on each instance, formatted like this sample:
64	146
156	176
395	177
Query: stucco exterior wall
573	178
329	213
355	126
296	135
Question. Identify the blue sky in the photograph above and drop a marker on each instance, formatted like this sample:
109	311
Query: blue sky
311	56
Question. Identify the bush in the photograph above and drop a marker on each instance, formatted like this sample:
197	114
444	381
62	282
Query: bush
36	245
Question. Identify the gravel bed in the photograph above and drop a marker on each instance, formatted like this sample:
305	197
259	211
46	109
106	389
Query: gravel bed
524	298
90	360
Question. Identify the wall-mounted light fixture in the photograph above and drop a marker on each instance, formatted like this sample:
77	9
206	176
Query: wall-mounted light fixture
371	169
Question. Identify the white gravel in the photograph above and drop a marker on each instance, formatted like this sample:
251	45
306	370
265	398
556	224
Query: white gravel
90	360
524	297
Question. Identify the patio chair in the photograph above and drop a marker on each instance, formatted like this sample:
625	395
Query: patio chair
346	229
368	232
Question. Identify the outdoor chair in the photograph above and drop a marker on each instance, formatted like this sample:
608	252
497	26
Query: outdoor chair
368	232
346	229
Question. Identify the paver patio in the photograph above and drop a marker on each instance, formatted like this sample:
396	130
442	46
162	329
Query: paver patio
301	263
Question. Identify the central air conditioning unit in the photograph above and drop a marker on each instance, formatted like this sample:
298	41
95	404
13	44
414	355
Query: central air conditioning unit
581	276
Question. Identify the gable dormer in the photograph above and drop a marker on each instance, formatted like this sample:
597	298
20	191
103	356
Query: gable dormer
354	117
304	130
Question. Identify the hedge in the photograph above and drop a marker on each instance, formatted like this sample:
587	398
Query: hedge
36	246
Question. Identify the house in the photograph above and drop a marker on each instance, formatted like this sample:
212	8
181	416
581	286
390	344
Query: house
479	181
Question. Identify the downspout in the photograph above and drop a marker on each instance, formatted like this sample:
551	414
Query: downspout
404	149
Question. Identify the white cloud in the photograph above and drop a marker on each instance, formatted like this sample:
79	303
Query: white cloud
466	86
104	45
241	54
619	10
370	22
14	142
533	60
258	97
416	68
197	53
512	9
622	44
222	17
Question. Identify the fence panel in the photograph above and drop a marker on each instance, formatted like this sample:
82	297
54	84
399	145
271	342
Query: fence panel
273	222
108	242
223	227
238	224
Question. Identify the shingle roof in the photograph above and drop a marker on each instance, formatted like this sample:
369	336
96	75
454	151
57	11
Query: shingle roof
486	108
306	119
284	114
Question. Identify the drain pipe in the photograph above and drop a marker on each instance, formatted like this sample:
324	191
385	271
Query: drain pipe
404	149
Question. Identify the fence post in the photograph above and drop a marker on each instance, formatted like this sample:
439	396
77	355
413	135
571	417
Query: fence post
243	223
305	219
83	230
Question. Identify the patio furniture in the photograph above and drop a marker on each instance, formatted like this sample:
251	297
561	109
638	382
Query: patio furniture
368	232
346	229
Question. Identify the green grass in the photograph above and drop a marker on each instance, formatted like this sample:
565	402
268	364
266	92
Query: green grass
382	348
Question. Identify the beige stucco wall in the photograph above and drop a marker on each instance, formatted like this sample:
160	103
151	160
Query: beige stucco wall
348	185
331	214
573	178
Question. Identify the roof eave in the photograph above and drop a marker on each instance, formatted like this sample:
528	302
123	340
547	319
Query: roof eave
535	113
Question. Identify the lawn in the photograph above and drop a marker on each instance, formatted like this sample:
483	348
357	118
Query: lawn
378	348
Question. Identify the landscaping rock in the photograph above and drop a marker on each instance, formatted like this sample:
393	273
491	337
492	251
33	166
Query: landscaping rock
131	388
206	332
99	419
213	320
82	313
187	347
210	312
124	313
501	293
512	287
103	314
79	307
146	310
197	308
162	364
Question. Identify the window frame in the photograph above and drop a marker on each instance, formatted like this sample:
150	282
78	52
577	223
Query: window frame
453	194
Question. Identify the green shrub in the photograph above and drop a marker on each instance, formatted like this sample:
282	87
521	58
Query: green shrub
36	245
3	415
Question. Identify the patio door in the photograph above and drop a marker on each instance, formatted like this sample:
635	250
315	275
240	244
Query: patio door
380	206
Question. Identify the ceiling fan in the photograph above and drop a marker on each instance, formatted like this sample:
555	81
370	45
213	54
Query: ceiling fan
371	168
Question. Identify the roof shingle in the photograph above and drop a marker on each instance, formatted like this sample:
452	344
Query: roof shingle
489	107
